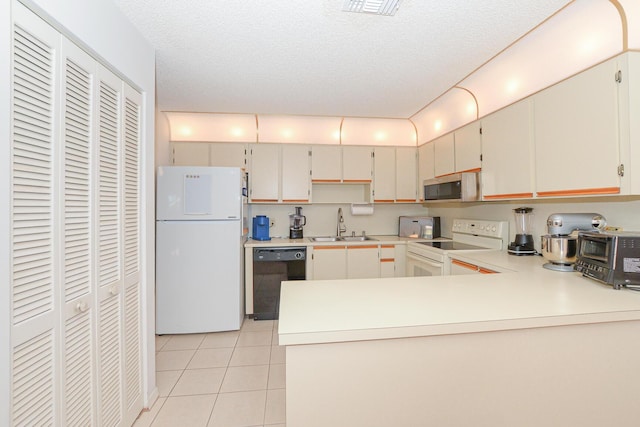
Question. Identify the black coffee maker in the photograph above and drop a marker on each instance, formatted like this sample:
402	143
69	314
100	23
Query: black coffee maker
296	222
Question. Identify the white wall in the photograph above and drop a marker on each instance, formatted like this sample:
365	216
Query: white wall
99	27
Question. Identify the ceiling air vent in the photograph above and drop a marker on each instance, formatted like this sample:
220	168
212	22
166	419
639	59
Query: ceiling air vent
377	7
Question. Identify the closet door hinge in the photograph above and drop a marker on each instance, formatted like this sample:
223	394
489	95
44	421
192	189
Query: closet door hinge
621	170
619	76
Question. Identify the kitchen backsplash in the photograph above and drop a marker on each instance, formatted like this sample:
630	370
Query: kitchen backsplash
321	218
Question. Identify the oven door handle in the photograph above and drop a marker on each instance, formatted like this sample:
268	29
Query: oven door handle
424	260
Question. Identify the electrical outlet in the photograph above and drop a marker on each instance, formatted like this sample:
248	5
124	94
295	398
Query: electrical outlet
272	222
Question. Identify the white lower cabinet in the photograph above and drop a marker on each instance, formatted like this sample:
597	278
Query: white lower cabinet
357	261
387	261
363	262
329	262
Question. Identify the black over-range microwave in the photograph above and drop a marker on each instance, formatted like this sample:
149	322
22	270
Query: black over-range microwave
611	257
458	187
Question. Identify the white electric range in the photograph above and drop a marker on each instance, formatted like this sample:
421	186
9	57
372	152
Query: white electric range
430	258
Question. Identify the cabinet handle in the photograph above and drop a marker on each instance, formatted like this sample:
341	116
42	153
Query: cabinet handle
81	307
465	265
486	271
113	290
363	247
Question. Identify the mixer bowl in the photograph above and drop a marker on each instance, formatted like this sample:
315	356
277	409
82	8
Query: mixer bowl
560	251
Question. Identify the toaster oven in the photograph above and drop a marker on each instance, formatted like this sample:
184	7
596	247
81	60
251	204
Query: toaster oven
611	257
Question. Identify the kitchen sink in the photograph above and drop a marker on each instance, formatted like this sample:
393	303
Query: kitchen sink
325	239
356	238
341	238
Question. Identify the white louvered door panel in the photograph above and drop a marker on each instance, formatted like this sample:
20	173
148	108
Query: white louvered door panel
34	310
78	97
109	249
132	296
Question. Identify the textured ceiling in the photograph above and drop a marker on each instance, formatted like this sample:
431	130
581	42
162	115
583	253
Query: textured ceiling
309	57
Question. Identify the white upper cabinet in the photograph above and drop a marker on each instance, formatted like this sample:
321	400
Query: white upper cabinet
190	153
357	164
576	135
279	173
326	163
468	148
384	174
507	153
444	155
296	178
426	165
406	174
265	173
228	155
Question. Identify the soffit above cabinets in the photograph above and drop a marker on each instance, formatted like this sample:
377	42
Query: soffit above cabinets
250	128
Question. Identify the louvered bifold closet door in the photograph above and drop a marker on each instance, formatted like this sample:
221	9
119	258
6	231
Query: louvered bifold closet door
109	250
34	312
78	89
131	137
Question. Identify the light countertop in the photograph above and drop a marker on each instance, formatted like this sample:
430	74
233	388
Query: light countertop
529	297
306	241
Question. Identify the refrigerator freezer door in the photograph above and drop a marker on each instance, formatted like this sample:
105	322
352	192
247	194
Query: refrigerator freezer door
199	193
198	276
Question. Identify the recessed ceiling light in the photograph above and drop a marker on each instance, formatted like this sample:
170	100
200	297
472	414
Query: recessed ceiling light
377	7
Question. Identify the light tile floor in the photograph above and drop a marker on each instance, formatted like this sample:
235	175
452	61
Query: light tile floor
223	379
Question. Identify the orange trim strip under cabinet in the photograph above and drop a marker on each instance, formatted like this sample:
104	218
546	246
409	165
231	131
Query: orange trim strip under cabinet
320	181
363	247
583	192
387	260
508	196
328	247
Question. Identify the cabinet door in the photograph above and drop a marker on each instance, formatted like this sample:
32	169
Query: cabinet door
507	153
363	262
356	164
190	153
444	154
295	174
467	148
329	262
387	261
326	163
426	166
384	174
265	173
406	174
227	155
576	135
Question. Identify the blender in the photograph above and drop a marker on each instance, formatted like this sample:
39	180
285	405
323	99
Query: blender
523	245
296	222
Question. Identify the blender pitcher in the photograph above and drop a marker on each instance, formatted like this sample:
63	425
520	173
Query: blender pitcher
523	245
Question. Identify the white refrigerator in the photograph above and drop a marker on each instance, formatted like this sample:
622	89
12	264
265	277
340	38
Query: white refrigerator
200	231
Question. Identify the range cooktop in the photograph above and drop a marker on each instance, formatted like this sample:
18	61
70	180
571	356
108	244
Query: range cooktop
450	245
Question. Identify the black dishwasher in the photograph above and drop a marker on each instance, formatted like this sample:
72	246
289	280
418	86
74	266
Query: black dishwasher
270	267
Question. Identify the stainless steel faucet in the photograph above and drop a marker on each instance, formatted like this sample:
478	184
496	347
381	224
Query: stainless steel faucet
341	227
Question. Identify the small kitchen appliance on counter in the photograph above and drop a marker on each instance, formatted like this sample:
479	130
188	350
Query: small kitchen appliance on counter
261	227
612	257
296	222
559	246
523	245
424	227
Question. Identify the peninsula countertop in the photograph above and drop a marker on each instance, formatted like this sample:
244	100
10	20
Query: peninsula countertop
326	311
